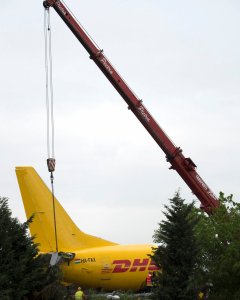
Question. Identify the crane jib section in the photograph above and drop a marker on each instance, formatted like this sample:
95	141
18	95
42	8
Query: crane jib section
184	166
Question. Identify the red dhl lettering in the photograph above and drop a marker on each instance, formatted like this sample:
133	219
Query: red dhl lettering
138	263
124	265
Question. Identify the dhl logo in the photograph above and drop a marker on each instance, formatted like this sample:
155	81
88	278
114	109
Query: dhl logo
124	265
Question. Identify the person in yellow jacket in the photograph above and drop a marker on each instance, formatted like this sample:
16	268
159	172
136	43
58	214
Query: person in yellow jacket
79	295
200	295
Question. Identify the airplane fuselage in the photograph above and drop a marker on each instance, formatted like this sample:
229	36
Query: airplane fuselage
111	268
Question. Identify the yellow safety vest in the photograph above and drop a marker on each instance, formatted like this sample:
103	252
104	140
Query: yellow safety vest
79	295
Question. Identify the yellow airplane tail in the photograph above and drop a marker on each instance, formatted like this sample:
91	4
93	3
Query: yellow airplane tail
38	201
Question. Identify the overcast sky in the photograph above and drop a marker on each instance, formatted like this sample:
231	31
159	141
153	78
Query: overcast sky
181	57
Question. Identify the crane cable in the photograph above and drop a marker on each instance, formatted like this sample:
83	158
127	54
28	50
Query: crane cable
49	84
49	110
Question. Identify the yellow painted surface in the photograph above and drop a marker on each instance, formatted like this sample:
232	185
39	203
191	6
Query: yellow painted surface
97	263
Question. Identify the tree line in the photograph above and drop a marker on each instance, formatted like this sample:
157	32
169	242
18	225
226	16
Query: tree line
198	255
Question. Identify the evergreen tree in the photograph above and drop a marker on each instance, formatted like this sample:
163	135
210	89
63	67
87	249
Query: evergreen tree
176	255
219	258
22	271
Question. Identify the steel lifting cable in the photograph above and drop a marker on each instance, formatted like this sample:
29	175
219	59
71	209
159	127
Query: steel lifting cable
49	84
49	110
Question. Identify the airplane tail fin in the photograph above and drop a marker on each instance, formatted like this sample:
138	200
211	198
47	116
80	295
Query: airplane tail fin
37	200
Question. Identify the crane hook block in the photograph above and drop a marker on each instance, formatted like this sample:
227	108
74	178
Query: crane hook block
51	164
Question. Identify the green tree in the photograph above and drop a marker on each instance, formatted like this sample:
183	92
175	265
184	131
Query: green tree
219	258
23	272
177	252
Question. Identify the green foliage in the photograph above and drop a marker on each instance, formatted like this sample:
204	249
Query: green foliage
219	259
177	252
23	273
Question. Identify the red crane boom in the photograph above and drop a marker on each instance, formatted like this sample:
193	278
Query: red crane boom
184	166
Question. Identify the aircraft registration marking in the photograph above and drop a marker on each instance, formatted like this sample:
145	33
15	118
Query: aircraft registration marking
84	260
